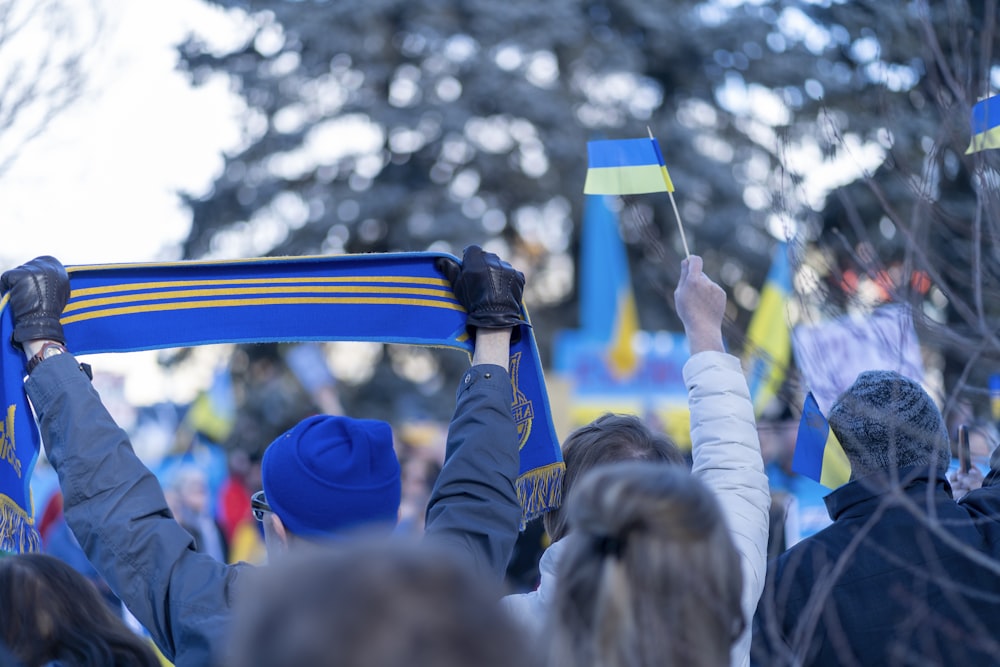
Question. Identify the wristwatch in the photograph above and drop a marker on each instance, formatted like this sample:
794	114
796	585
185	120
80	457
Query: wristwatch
49	349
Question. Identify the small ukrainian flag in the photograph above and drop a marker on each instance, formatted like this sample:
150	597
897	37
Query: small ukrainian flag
985	125
818	454
626	167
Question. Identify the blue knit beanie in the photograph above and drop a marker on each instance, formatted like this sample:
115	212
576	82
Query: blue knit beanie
330	473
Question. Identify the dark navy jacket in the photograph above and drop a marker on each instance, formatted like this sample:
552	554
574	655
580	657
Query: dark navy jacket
115	506
904	576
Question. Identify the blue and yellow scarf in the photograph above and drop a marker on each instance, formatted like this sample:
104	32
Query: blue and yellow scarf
389	298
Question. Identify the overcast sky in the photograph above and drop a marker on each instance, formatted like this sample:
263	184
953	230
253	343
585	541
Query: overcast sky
99	185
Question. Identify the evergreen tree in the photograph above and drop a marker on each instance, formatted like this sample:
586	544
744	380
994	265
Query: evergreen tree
387	125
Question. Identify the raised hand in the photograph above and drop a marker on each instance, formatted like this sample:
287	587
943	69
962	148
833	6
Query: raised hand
488	288
38	292
701	305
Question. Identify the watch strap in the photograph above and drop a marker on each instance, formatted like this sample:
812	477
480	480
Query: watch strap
48	349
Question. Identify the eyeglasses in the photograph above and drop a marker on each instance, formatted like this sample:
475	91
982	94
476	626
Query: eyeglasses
259	505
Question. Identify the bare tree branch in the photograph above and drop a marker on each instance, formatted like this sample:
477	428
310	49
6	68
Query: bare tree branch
44	56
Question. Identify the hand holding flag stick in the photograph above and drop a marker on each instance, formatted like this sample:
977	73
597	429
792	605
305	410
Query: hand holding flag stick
630	167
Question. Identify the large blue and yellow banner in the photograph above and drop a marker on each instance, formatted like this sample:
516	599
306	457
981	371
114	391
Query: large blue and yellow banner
768	349
397	298
610	363
608	310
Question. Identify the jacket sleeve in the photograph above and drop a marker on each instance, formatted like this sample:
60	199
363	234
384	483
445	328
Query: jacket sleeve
116	509
474	506
985	501
726	457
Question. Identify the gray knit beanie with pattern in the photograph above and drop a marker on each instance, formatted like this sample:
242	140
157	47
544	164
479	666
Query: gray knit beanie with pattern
886	421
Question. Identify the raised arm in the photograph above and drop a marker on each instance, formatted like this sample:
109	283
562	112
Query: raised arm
474	504
725	445
113	504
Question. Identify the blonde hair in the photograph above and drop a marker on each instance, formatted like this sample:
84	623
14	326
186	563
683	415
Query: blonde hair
650	575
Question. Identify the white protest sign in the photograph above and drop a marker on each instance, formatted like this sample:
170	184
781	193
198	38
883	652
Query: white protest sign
832	354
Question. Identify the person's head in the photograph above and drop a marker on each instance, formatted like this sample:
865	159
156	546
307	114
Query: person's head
885	422
50	612
326	476
649	575
189	485
607	439
375	603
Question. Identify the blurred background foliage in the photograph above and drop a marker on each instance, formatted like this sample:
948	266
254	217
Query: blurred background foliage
392	125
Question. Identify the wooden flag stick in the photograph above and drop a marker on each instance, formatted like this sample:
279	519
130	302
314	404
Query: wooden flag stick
679	225
673	203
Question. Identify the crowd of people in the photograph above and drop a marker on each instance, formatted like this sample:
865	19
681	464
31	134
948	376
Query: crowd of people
655	558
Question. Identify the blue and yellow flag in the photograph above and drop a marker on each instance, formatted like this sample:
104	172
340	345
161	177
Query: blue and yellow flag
626	167
605	372
18	447
390	298
768	349
995	396
818	454
213	412
607	301
985	125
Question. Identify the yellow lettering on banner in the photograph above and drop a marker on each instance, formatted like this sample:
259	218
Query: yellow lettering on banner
8	452
523	409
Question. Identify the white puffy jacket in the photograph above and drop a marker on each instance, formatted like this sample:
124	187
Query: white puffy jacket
726	457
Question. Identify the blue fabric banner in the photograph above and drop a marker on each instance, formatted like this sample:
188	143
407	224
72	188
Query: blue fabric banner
397	298
18	448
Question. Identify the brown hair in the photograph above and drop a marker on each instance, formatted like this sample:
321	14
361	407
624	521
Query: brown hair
609	438
50	612
374	602
650	574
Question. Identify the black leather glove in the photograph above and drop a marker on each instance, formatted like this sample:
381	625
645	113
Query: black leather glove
39	290
489	288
